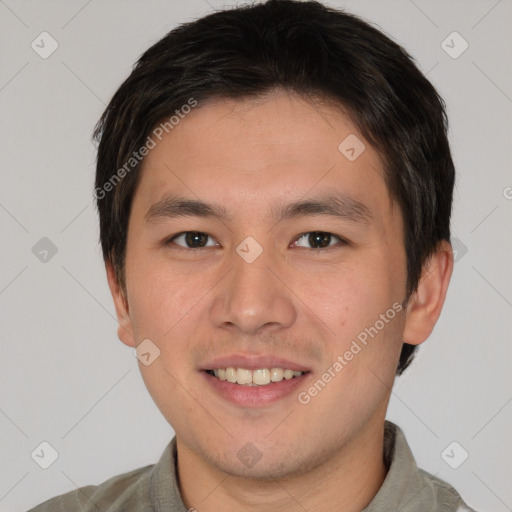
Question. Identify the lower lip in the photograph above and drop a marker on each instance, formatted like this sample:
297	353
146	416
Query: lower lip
254	396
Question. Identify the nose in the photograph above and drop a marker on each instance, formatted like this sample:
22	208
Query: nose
254	296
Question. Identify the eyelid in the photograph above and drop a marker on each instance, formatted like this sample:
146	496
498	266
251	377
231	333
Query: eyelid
171	238
342	241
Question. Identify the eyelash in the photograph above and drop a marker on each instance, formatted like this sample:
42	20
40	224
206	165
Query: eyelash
342	241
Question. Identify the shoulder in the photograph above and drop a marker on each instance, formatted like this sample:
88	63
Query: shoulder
410	488
445	497
128	491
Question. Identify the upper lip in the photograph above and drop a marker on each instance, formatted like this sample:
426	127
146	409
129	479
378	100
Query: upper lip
253	362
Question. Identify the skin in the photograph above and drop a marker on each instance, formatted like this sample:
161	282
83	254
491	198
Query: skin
292	301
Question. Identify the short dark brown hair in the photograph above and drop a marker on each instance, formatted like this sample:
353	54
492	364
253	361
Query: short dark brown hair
312	50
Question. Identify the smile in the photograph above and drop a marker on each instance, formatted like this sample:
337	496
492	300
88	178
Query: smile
258	377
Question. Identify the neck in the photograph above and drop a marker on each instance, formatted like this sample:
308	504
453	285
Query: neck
347	480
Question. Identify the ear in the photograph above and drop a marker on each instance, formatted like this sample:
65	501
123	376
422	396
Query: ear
426	303
125	328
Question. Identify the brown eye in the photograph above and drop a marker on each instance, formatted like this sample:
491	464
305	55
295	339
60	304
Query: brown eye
191	240
318	240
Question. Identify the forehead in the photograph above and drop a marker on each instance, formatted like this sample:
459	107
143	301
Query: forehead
278	145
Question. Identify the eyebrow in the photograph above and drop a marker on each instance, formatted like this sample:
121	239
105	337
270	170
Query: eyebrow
340	206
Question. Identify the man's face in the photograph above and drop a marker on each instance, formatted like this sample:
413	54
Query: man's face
211	300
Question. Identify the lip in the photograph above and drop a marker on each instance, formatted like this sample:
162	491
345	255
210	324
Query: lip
253	396
253	362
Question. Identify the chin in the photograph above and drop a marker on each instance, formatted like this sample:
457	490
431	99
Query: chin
260	467
262	472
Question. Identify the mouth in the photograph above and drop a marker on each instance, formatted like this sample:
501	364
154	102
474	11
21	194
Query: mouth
254	380
255	387
257	377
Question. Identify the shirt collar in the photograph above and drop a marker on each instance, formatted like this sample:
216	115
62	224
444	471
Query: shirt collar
164	488
402	483
405	487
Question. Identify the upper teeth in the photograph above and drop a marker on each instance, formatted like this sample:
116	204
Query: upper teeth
258	377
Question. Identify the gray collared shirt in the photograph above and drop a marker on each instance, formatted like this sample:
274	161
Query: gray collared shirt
154	488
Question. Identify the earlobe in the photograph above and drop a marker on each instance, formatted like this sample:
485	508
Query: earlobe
426	303
125	328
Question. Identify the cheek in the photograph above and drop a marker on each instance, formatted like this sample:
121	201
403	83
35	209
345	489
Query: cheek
352	296
161	292
360	305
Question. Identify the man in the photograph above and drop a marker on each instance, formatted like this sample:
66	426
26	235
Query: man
274	185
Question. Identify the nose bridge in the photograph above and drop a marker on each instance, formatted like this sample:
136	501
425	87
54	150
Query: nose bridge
252	296
251	268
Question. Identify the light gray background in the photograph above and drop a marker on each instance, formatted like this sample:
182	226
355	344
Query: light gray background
67	380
